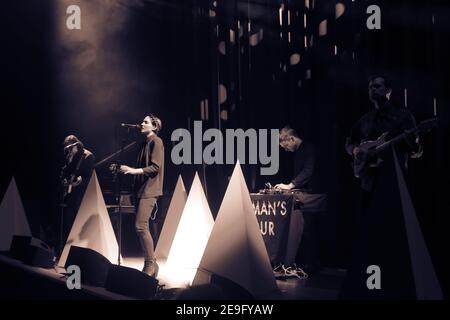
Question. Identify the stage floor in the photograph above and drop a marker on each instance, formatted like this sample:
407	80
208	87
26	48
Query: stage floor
20	281
323	285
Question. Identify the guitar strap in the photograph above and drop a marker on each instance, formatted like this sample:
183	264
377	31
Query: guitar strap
83	156
77	168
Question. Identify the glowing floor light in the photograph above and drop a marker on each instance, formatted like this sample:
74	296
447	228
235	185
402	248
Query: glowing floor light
172	220
236	249
92	227
190	238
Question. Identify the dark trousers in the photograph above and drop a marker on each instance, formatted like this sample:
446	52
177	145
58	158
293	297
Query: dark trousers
308	254
67	218
65	223
296	227
144	211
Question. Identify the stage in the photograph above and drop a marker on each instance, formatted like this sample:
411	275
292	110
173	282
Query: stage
221	138
20	281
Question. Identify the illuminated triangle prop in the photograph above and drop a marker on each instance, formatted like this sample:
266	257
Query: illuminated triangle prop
236	249
172	220
192	233
92	227
13	220
425	278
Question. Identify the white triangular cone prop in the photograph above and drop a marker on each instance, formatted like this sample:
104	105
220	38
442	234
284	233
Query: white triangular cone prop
236	249
425	279
172	220
13	220
192	234
92	227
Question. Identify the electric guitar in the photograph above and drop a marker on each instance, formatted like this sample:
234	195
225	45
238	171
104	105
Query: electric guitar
68	184
367	157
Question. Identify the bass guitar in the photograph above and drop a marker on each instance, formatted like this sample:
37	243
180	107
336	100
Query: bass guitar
368	154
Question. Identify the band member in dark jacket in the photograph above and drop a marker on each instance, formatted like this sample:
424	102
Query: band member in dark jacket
75	176
148	186
380	237
304	161
303	225
385	118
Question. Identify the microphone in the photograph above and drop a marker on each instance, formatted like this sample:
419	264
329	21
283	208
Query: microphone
128	125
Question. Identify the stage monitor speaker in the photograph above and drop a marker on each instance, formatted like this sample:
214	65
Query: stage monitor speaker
32	251
230	289
201	292
131	282
93	266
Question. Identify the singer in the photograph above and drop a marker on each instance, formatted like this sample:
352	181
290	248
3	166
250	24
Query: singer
148	186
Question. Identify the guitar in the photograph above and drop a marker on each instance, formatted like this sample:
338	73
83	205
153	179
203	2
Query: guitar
74	180
68	184
367	157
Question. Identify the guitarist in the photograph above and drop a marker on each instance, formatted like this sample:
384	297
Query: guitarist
75	175
384	118
379	232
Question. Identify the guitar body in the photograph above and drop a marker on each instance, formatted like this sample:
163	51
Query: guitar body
68	185
369	150
366	157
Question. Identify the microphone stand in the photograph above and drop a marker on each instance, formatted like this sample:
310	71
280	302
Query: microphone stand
62	206
115	154
118	182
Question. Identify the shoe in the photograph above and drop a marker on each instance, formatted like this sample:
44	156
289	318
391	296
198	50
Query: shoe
294	271
151	268
279	271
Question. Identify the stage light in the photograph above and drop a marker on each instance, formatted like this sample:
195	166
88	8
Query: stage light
232	36
172	220
236	249
92	227
224	115
191	237
222	93
294	59
340	9
323	28
221	47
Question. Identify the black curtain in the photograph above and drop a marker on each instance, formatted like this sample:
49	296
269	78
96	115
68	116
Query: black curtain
233	64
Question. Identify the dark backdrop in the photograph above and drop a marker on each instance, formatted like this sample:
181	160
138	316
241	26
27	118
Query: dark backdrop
231	64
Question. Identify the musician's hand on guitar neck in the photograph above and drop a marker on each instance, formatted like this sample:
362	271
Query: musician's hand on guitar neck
356	150
68	184
74	183
77	182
